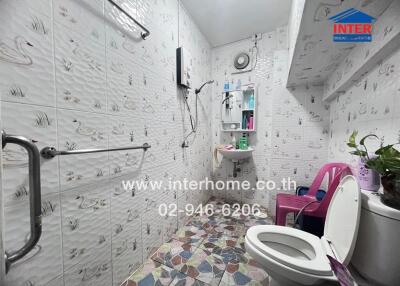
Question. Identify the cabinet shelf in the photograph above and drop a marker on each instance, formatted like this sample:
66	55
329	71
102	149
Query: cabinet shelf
238	130
238	110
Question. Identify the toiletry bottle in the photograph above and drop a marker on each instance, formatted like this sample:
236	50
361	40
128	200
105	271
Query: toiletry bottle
239	84
226	83
233	142
251	122
243	142
251	102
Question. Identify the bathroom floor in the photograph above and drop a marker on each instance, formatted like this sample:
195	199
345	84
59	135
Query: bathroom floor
208	250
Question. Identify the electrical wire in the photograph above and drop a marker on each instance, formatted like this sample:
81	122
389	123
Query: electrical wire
255	47
302	210
252	54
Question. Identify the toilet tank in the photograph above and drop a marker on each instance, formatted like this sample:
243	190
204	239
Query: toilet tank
377	253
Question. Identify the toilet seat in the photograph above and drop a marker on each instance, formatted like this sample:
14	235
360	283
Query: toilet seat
281	244
293	257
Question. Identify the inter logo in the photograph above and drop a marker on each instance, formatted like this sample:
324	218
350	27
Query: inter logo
352	26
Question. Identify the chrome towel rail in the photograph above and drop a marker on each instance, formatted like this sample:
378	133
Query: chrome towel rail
34	196
51	152
146	32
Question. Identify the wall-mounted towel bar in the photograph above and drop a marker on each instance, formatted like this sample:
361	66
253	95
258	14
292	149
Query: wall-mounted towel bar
34	196
51	152
146	32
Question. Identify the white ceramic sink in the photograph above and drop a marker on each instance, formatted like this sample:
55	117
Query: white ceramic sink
236	154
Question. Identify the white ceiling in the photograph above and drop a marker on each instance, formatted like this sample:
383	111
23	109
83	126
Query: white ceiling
226	21
316	56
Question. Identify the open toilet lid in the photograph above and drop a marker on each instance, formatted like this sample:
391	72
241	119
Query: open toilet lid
342	219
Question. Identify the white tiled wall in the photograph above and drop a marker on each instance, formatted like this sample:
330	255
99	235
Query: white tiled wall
75	74
371	105
385	40
292	125
296	14
368	103
262	77
316	57
2	262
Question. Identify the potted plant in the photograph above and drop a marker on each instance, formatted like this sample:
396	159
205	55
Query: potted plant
386	161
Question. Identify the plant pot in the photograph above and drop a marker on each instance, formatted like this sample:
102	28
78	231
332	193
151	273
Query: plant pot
368	179
391	191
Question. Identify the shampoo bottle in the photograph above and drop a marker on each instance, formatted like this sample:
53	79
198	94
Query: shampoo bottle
251	123
233	142
243	142
251	102
226	84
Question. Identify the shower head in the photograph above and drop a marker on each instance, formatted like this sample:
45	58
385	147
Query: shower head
198	90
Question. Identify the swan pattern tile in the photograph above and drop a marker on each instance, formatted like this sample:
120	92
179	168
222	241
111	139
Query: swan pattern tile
370	105
46	255
77	75
36	123
26	53
86	81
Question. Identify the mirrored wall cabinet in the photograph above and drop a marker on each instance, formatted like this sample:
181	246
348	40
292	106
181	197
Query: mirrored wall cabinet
238	109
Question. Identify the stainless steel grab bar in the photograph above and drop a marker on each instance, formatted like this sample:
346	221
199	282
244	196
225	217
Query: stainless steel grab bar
34	196
51	152
146	32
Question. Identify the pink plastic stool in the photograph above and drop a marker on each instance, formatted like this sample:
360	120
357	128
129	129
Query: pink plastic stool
308	203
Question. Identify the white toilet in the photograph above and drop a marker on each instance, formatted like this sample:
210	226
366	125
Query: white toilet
295	257
377	255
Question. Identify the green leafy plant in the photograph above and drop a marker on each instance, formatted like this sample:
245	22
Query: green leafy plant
386	160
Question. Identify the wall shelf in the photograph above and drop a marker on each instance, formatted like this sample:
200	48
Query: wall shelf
238	109
239	130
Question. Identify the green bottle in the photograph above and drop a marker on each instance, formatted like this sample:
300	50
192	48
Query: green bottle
243	142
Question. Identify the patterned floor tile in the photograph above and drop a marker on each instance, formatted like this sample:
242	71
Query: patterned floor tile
184	280
152	273
212	242
204	222
174	253
190	234
204	266
229	254
245	272
230	220
199	219
230	229
216	201
240	242
207	251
